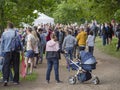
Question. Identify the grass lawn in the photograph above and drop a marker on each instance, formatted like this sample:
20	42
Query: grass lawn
31	77
108	49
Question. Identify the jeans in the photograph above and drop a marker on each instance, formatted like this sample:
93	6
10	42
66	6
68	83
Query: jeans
118	44
81	48
104	40
11	57
91	49
69	51
42	51
50	63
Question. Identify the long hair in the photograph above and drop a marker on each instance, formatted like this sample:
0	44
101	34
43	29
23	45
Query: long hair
35	35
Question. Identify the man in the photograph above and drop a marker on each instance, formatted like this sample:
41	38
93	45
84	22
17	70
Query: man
42	43
81	38
9	55
68	44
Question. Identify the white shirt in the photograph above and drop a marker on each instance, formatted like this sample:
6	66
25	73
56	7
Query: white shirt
90	40
30	42
36	46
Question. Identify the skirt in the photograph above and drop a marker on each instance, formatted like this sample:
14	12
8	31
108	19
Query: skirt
30	54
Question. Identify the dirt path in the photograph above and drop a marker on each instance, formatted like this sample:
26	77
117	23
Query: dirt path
108	71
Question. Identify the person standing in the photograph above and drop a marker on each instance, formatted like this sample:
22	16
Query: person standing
90	42
36	50
81	38
42	43
9	55
52	48
68	44
29	50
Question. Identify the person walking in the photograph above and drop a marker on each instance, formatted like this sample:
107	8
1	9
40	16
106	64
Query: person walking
36	46
10	56
81	39
68	44
90	42
42	43
29	50
52	48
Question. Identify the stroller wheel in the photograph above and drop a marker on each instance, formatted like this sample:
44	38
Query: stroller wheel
96	81
72	80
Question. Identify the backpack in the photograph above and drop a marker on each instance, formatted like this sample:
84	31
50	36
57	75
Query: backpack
16	43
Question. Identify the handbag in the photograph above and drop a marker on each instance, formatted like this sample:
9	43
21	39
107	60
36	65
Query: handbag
23	67
52	54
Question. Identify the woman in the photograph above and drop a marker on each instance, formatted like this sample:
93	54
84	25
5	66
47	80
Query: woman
36	45
90	42
52	57
29	50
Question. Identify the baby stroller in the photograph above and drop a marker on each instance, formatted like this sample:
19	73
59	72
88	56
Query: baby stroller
84	66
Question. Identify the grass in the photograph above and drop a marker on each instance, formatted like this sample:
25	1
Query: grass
108	49
31	77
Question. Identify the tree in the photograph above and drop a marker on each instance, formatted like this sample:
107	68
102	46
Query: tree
68	12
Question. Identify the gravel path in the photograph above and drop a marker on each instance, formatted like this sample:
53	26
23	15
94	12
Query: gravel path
108	71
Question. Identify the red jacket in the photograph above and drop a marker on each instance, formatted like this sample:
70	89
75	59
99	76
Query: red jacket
48	36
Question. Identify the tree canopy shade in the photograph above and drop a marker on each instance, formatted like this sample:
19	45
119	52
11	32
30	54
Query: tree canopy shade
64	11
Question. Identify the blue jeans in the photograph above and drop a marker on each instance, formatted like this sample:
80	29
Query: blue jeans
91	49
104	39
69	51
50	63
42	51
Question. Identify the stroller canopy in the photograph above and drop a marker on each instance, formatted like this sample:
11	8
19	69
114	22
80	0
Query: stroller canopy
87	58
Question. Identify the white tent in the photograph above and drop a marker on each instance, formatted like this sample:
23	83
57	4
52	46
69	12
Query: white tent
43	19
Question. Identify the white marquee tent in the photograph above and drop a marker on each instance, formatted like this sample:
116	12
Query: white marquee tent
43	19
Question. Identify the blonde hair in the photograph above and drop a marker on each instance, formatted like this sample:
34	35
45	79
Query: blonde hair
35	35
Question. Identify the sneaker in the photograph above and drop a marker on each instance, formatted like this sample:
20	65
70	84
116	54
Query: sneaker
58	81
16	83
5	83
47	81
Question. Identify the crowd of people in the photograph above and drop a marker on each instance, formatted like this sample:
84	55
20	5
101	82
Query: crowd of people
52	40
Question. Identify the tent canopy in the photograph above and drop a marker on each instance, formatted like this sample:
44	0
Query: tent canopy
43	19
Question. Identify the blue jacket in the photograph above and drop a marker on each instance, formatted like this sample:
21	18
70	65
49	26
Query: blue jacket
6	39
43	39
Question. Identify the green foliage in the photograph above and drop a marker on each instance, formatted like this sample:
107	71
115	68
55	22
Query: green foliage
105	9
75	10
117	15
68	12
64	11
19	11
